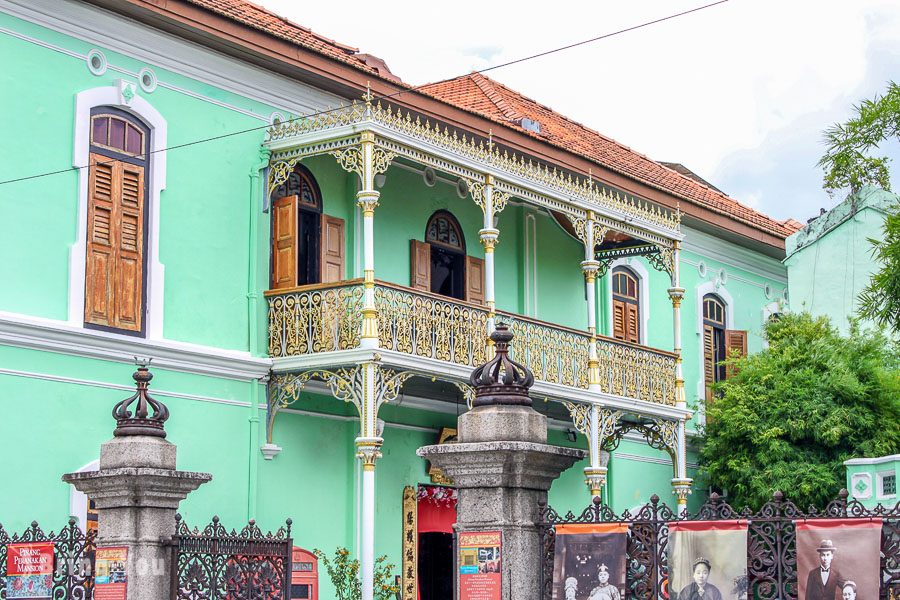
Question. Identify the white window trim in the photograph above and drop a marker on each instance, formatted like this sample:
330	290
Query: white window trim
643	276
879	486
78	501
140	108
717	288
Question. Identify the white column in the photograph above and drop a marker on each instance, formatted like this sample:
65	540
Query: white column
595	472
489	236
681	484
368	449
367	199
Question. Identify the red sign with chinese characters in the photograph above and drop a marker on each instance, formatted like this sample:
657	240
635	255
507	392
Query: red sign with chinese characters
480	565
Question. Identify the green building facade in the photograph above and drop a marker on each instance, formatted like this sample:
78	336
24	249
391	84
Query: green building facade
248	358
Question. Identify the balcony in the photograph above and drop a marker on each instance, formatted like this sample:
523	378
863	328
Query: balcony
326	318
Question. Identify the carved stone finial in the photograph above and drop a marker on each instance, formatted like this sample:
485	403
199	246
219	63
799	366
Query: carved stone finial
141	422
501	380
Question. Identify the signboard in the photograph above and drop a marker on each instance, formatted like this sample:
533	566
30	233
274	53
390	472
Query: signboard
480	565
110	575
29	570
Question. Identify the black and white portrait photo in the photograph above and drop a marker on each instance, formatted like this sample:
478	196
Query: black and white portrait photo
838	559
708	560
589	562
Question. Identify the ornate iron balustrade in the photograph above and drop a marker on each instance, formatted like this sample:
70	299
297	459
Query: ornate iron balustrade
327	318
215	564
771	542
73	553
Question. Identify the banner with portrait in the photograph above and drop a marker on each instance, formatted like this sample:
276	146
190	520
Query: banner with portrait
589	561
708	560
838	559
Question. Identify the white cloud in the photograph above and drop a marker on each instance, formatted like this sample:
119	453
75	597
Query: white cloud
739	92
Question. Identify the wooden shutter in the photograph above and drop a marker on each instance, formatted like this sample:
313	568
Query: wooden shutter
709	360
114	272
475	280
735	346
284	243
420	265
332	262
619	319
632	326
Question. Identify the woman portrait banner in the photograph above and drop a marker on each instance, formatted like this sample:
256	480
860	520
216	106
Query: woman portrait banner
708	560
838	559
589	561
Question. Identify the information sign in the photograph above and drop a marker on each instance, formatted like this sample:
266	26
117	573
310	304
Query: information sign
110	578
29	570
480	565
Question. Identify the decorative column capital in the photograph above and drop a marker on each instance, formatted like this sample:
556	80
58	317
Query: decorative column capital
676	294
367	200
682	489
590	269
368	450
489	238
595	479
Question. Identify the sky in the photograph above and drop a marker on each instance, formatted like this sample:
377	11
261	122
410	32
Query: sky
739	92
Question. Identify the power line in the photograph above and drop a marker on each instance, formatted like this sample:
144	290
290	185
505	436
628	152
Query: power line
388	96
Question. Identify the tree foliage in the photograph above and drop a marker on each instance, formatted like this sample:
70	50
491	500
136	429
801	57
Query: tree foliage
847	164
794	412
343	572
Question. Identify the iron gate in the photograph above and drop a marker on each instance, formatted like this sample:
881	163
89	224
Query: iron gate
215	564
73	554
771	543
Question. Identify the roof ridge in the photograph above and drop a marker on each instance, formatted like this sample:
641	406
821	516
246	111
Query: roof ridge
485	84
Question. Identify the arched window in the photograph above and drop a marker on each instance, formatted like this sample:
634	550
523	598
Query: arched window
626	305
448	255
115	287
714	328
307	245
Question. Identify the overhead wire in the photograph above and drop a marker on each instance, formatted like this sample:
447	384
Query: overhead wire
387	96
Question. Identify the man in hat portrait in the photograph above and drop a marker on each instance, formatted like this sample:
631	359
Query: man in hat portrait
823	581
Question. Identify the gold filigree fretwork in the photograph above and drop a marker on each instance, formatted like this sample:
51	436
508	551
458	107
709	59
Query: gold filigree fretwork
279	172
660	434
607	420
350	159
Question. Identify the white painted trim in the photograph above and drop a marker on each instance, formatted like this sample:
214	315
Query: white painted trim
872	461
732	255
710	287
78	501
129	38
143	110
58	336
638	268
530	265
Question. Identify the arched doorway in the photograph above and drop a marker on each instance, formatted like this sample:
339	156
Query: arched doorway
448	255
296	231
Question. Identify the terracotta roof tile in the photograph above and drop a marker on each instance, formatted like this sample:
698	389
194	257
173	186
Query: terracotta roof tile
479	94
260	18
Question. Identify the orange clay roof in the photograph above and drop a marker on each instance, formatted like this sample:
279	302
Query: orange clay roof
260	18
482	95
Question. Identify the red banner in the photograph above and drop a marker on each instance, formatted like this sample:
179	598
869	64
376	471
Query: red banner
480	565
29	570
838	559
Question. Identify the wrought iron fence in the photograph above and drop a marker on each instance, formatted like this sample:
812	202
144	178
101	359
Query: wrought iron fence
771	543
73	554
215	564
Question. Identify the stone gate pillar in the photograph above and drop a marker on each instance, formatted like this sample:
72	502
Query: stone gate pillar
137	491
503	467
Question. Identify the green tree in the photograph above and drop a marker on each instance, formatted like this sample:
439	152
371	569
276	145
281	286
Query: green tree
794	412
344	574
848	164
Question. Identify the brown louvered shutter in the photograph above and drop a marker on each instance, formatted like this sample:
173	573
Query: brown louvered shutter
420	265
130	237
619	318
114	273
99	300
284	243
709	360
632	328
735	346
474	280
332	249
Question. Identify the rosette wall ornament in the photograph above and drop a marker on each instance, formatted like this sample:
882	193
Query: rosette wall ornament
501	380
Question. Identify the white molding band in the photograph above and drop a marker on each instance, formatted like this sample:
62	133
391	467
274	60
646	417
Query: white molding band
58	336
143	110
872	461
638	268
78	501
713	248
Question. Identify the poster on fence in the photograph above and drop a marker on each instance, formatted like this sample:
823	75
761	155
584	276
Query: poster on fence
480	565
708	560
110	575
589	561
29	570
838	559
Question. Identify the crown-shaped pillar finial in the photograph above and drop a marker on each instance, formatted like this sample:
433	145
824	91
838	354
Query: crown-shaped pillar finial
501	380
141	422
